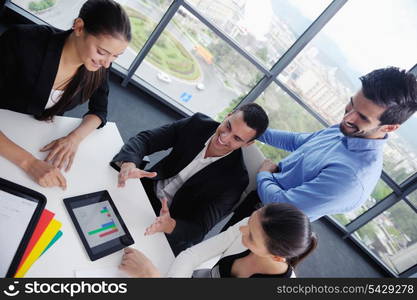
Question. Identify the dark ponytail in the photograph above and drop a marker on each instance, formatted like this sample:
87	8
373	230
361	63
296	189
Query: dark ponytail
288	232
294	261
99	17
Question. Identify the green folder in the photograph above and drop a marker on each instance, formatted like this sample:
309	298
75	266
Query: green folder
56	237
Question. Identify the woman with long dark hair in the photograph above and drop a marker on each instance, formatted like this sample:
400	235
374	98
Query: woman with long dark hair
270	243
45	72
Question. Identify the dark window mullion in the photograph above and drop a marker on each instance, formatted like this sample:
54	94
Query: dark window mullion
301	103
163	23
373	212
27	15
295	49
227	39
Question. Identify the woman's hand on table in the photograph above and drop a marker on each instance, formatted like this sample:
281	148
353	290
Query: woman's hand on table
136	264
45	174
62	151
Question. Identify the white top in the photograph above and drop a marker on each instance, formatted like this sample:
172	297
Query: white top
224	244
54	97
167	188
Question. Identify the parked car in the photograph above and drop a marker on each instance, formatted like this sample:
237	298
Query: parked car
200	86
164	77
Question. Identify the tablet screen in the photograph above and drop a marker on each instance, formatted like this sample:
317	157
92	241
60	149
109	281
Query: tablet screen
15	216
98	223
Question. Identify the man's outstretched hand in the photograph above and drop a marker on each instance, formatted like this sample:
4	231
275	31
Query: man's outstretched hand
163	223
128	170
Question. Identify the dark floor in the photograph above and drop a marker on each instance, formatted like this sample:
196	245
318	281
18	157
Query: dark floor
134	110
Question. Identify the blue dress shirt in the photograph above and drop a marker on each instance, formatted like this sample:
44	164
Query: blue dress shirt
326	173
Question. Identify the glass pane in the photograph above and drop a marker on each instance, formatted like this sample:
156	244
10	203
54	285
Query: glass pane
380	192
325	74
191	65
144	16
58	13
264	28
413	198
392	236
284	114
400	155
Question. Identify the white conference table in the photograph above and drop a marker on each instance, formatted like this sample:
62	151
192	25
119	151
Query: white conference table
90	173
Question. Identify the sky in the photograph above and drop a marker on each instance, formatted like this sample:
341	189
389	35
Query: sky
379	32
371	33
257	17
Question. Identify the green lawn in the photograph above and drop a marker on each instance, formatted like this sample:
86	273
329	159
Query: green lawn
167	54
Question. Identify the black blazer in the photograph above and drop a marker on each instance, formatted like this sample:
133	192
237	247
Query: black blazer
29	61
209	195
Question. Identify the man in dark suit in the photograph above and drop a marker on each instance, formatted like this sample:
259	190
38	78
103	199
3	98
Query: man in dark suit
201	179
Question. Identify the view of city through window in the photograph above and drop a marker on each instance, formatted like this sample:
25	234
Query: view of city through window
413	198
380	192
392	236
325	75
192	65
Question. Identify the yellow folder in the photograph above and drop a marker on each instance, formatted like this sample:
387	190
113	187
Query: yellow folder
42	243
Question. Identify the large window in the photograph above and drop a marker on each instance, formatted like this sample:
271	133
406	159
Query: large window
194	67
381	191
144	16
58	13
325	74
413	198
266	29
392	236
284	114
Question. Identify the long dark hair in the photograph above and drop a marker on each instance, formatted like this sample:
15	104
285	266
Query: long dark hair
288	232
99	17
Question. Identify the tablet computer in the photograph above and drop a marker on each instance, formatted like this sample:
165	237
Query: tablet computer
98	223
20	210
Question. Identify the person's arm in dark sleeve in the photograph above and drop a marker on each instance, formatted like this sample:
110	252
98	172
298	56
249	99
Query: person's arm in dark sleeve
8	60
150	141
97	105
62	151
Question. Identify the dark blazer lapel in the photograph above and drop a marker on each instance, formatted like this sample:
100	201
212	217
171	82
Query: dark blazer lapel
175	162
211	172
194	149
170	166
48	71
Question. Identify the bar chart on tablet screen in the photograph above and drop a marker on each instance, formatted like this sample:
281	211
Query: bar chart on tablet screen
98	223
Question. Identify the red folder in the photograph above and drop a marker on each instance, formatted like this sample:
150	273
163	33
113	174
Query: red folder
44	220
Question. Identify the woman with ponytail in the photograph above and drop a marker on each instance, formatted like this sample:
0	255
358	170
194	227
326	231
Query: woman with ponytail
45	72
270	243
